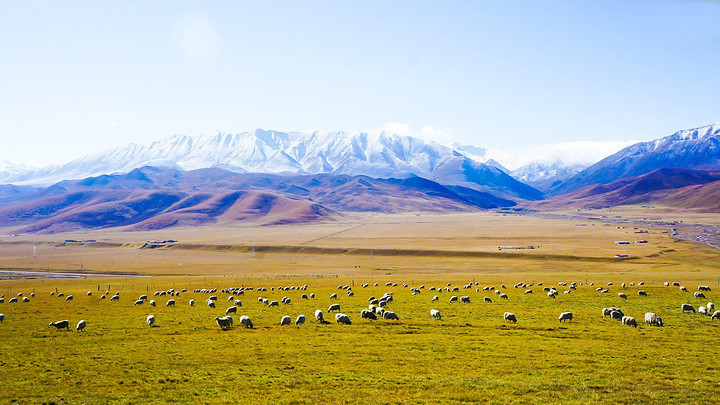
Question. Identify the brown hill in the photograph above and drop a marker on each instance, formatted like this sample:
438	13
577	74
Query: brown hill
662	186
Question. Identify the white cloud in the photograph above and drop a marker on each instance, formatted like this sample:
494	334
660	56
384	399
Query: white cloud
570	153
427	132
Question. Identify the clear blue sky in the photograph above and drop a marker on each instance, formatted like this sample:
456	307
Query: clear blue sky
79	77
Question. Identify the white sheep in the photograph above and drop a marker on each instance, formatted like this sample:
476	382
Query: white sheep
273	303
2	317
487	299
64	324
246	322
150	320
687	307
454	298
334	307
710	306
81	326
702	310
342	318
231	310
652	319
509	317
68	298
191	302
139	302
390	315
642	293
368	314
319	317
565	316
435	298
152	303
170	303
300	320
622	295
435	314
715	315
629	321
465	299
285	320
225	322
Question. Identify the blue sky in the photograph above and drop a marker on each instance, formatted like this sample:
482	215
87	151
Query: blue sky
79	77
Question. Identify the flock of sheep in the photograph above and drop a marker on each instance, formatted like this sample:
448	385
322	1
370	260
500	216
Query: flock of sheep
377	307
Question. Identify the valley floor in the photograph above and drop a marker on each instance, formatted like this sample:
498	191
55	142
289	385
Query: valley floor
470	355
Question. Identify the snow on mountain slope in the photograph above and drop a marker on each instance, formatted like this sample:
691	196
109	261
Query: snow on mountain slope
697	148
380	155
544	175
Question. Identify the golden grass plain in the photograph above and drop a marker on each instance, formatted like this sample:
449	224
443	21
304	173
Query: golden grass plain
469	356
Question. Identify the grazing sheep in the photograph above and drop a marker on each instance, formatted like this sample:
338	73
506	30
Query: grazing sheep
616	314
300	320
319	317
61	295
225	322
102	297
26	299
285	320
115	298
333	296
435	298
64	324
528	292
273	304
81	326
170	303
304	296
509	317
503	296
565	316
629	321
143	297
2	317
551	294
191	302
683	288
150	320
89	293
231	310
139	302
652	319
703	288
287	301
342	318
70	298
715	315
465	299
246	322
622	295
487	299
334	307
454	298
368	314
642	293
213	298
390	315
210	303
152	303
687	307
710	306
702	310
435	314
12	300
237	303
699	295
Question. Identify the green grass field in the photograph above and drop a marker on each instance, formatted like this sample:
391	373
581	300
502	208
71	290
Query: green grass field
470	355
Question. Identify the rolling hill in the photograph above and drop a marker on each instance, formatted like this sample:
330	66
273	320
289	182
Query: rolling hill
669	186
154	198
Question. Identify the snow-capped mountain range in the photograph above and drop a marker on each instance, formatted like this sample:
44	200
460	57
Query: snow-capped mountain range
380	155
697	148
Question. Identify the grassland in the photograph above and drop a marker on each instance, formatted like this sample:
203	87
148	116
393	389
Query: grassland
469	356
